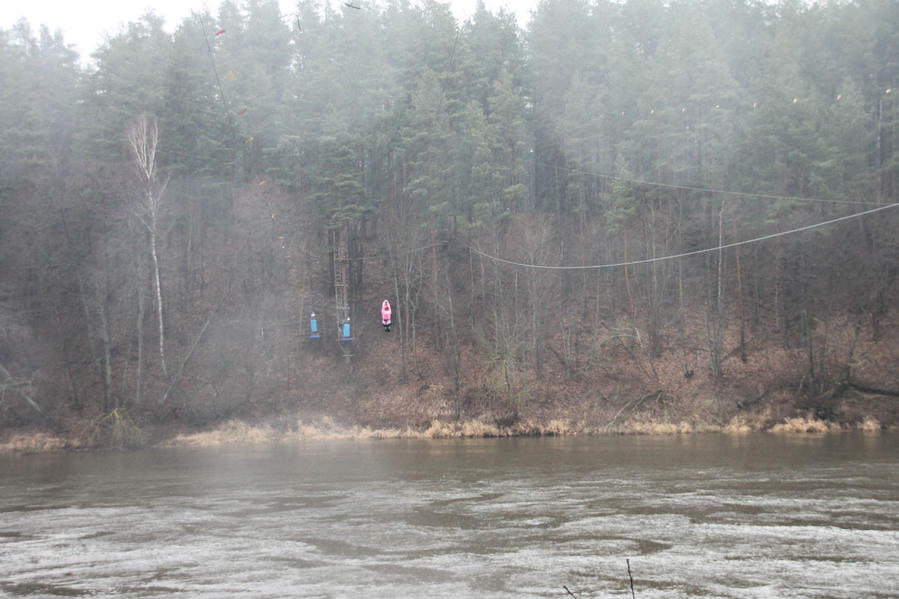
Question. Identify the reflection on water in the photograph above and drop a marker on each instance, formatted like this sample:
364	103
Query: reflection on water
698	516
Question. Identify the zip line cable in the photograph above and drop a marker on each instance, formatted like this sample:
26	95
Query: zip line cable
745	194
691	253
214	69
225	110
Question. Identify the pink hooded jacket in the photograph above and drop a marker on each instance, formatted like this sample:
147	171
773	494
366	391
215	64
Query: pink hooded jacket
385	312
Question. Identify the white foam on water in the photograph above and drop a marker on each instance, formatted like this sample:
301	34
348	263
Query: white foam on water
454	528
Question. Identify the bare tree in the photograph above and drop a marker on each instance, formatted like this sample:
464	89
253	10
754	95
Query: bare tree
536	239
715	317
14	341
143	138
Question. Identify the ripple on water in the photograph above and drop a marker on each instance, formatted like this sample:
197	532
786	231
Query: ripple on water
505	519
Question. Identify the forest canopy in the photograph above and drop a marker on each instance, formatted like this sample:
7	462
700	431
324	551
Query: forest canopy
173	211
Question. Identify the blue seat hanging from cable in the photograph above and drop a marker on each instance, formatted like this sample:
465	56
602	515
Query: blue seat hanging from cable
313	327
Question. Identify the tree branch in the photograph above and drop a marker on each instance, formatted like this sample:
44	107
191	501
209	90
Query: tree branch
875	390
16	385
199	337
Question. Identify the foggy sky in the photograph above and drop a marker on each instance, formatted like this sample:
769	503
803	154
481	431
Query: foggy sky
85	24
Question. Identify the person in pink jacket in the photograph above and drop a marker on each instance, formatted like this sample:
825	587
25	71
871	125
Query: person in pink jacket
385	315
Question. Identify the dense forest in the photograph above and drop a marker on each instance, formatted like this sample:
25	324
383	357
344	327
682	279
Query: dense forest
679	211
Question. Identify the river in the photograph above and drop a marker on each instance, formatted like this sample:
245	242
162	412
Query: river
694	516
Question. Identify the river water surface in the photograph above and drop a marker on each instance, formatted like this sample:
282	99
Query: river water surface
696	516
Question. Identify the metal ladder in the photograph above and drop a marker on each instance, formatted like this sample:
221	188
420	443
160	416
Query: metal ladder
341	298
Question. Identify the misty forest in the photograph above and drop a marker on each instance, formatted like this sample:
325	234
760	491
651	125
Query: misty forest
618	216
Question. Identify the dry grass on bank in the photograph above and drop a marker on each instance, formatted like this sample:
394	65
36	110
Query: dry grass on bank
236	432
647	427
35	442
469	429
870	425
801	424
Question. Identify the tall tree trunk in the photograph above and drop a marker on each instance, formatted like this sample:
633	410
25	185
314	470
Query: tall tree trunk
399	314
655	334
67	370
719	302
102	298
805	323
139	330
627	280
682	307
715	321
740	296
143	138
455	354
157	282
89	324
432	237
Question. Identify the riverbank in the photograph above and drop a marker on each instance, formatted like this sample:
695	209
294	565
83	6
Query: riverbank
242	433
236	432
625	391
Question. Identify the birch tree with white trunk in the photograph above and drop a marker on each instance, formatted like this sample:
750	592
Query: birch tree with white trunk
143	138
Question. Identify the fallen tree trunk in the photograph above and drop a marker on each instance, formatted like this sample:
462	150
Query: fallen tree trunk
633	405
875	390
